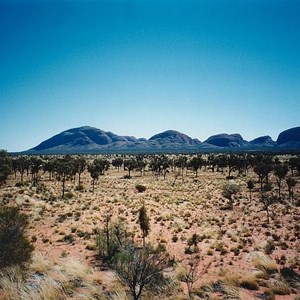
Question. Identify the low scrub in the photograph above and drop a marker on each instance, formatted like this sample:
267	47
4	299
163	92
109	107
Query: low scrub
15	249
280	287
140	188
249	283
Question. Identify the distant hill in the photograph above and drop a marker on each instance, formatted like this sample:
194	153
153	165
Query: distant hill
227	140
93	140
83	138
289	138
172	137
263	141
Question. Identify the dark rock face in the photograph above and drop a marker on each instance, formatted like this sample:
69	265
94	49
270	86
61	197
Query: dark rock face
226	140
172	136
290	136
263	141
82	136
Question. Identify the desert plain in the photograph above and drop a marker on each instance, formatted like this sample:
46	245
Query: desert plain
237	252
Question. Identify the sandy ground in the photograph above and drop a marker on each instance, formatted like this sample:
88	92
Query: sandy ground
228	238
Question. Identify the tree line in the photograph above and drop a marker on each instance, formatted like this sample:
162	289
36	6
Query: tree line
64	168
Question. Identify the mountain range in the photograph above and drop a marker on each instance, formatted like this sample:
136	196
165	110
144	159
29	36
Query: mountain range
92	140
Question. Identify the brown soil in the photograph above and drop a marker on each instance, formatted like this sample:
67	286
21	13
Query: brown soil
228	237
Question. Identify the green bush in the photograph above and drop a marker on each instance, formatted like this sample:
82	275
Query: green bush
15	249
140	188
69	238
80	188
91	247
68	195
174	238
141	268
270	247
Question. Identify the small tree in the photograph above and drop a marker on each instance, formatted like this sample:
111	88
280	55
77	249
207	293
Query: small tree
15	249
102	165
193	241
80	165
130	165
23	164
263	169
196	163
294	163
144	222
140	164
232	163
267	200
181	162
230	189
97	168
140	268
35	165
5	166
49	166
14	164
280	172
193	274
176	176
250	186
110	238
64	168
212	162
165	165
117	162
95	173
291	183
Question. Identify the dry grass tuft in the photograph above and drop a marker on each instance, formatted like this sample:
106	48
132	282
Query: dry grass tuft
280	287
40	264
119	295
264	263
48	281
230	286
43	289
11	282
249	282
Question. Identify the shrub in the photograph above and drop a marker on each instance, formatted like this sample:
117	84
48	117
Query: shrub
69	238
5	166
68	195
15	249
270	247
230	189
174	238
235	250
280	287
91	247
140	268
290	276
284	246
80	187
140	188
249	283
210	252
268	295
264	263
110	239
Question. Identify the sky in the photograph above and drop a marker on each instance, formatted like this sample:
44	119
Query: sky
142	67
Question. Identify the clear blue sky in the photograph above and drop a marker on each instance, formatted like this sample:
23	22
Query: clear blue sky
142	67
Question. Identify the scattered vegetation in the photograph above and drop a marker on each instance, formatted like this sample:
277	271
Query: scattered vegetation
15	248
238	213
